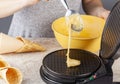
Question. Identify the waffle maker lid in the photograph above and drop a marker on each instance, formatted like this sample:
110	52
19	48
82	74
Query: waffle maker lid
110	41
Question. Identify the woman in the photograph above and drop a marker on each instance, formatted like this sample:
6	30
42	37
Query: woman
33	18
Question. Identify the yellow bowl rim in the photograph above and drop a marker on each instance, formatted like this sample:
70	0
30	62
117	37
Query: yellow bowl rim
74	37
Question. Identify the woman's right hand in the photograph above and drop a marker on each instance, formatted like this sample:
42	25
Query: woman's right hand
31	2
8	7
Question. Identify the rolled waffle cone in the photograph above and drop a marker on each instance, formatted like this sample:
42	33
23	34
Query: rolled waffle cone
3	63
29	46
9	44
11	75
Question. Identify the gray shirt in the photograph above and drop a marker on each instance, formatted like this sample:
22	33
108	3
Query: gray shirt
35	21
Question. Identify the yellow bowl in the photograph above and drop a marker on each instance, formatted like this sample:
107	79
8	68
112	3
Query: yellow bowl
88	39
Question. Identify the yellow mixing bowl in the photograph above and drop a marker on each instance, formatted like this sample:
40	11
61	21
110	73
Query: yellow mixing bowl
88	39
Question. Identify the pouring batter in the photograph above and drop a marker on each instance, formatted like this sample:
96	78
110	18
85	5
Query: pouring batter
74	19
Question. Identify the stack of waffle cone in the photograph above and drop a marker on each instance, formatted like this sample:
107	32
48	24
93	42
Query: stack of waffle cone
9	44
9	74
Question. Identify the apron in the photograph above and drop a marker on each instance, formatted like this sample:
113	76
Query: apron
36	21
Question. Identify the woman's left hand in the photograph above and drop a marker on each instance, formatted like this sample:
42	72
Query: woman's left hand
103	13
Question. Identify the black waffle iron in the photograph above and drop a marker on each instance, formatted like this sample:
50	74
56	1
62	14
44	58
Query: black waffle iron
54	69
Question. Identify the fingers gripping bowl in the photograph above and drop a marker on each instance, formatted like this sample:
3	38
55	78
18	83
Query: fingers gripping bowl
88	39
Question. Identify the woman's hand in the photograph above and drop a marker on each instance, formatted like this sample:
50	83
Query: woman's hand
95	7
9	7
101	12
30	2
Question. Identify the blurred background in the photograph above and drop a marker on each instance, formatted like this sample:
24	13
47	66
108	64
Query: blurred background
5	22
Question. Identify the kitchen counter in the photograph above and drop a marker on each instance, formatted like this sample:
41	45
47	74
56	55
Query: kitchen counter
29	63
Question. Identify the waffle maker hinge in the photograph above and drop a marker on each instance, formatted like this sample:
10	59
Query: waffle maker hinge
108	65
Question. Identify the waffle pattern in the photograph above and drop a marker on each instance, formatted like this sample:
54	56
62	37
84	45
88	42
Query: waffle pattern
55	63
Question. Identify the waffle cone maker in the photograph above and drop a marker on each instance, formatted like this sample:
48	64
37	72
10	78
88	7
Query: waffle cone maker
54	69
